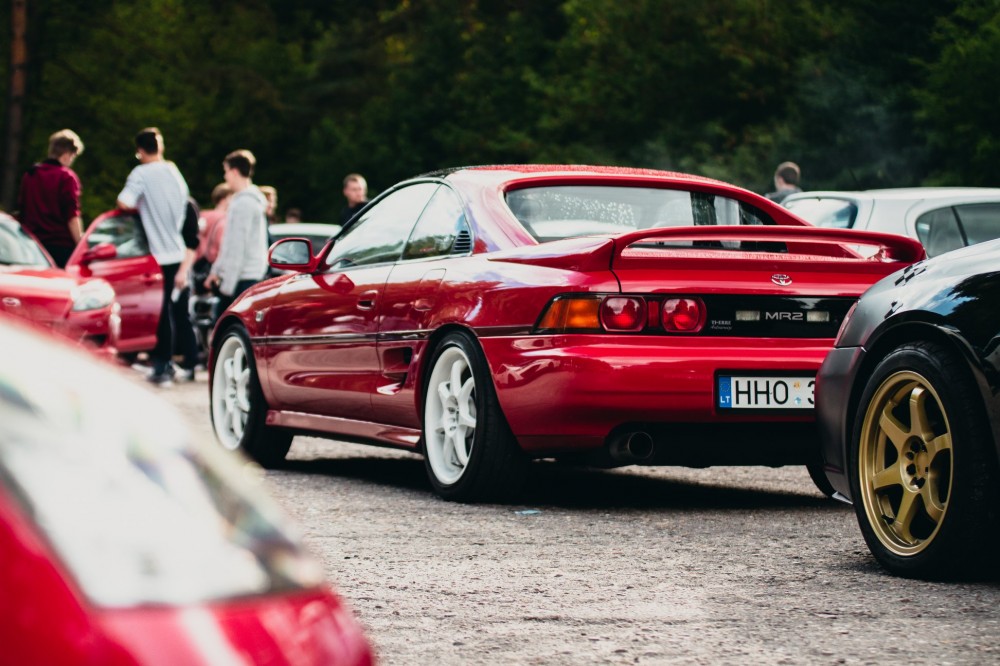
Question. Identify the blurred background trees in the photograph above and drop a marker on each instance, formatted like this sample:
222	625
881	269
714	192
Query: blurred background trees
860	94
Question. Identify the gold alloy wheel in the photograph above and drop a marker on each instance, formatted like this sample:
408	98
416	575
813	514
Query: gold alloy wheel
905	463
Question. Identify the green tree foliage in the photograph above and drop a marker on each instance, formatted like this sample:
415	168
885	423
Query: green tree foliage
861	94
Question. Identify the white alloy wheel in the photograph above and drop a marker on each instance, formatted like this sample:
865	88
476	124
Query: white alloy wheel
231	392
450	415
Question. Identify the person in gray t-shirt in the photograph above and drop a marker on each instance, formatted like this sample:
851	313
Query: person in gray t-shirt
158	190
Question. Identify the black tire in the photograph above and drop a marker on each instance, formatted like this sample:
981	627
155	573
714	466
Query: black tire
923	468
494	467
236	428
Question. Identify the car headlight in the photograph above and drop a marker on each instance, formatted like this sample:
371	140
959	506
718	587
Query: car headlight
92	295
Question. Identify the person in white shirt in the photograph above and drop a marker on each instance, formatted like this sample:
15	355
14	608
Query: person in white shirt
158	190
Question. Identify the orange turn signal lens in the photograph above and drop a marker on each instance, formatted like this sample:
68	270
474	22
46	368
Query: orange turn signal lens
568	314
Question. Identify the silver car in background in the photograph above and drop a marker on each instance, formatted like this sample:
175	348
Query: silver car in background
941	218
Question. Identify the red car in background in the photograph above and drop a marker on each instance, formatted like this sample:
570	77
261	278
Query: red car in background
114	248
485	316
123	541
73	303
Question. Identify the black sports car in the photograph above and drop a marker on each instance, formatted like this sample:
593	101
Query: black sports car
909	410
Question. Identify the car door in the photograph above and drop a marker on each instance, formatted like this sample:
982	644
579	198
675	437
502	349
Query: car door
133	273
322	327
411	297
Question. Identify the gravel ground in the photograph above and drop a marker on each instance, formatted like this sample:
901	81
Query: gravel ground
632	566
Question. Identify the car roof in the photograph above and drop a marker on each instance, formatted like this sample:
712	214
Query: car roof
900	194
305	228
503	172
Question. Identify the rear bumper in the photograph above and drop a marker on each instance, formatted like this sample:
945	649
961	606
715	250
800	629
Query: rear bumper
564	393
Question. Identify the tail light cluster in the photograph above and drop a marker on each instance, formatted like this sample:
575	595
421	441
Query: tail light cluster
622	314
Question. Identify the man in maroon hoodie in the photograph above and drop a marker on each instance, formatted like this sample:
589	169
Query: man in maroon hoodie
49	200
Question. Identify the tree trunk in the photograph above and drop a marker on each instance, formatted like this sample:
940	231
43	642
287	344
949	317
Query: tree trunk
15	102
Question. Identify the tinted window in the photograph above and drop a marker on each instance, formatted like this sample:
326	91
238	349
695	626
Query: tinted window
939	232
19	249
556	212
981	222
379	235
836	213
124	232
437	227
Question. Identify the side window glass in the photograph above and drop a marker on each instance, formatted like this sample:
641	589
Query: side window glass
981	222
380	234
124	232
437	227
939	232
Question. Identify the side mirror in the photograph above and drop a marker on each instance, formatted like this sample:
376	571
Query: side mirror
100	252
292	254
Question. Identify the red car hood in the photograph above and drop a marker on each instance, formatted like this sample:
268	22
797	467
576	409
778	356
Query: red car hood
40	294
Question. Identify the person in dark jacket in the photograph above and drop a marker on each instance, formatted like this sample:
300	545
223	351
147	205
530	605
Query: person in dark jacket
49	199
786	181
356	193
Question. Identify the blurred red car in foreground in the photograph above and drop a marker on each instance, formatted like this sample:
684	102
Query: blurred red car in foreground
123	542
78	306
489	315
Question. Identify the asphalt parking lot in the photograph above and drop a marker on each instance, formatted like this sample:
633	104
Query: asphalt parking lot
647	566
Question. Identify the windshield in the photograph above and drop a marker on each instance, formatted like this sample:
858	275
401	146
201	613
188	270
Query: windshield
137	512
564	211
19	249
836	213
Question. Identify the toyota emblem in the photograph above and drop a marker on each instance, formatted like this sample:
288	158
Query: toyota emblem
781	279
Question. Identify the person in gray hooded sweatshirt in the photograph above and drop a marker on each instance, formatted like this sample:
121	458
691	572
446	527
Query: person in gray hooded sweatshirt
242	259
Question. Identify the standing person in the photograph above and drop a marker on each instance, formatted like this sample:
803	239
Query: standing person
242	259
49	199
786	181
213	225
356	193
157	188
271	194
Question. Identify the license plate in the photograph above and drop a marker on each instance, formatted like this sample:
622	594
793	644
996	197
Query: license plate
765	392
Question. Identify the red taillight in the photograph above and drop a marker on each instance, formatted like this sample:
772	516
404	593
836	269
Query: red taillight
623	313
683	315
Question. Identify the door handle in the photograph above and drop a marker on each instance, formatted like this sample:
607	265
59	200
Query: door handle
366	301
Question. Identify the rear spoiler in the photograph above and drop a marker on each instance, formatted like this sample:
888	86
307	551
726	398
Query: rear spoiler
821	241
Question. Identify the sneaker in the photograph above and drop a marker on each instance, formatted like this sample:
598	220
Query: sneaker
183	374
161	379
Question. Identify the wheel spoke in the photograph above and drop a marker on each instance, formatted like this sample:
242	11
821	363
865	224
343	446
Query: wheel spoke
887	478
920	424
892	428
443	394
238	361
227	370
905	514
932	503
234	422
456	376
940	444
467	405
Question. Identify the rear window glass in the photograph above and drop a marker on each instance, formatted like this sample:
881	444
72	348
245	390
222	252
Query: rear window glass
981	222
835	213
551	213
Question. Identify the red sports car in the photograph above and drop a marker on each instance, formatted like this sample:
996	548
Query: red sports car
124	542
114	248
486	316
80	307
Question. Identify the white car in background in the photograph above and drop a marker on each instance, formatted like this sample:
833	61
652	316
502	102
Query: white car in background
942	218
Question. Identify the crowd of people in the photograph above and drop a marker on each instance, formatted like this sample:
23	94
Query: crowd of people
221	251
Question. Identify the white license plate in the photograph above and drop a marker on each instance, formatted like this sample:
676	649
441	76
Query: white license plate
765	392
